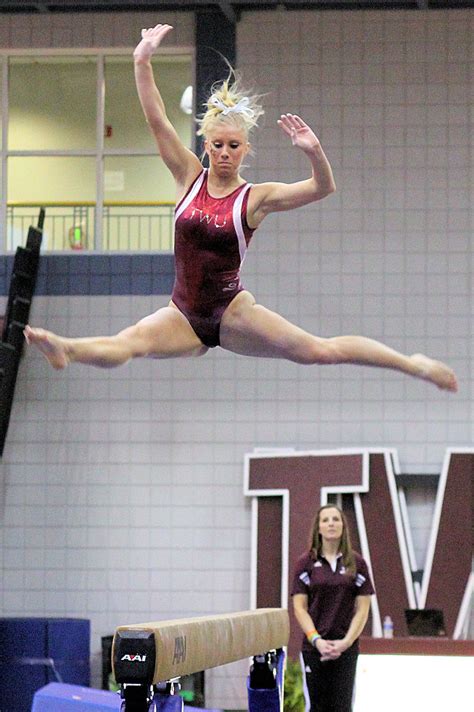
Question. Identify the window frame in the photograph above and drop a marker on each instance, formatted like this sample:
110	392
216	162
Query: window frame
100	153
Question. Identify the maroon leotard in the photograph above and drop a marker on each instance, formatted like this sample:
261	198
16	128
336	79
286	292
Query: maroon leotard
211	238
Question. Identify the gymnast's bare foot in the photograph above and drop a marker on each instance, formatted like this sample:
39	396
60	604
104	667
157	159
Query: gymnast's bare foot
51	346
436	371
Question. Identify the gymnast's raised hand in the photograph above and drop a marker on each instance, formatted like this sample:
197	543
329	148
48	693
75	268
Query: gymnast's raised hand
217	213
300	133
151	40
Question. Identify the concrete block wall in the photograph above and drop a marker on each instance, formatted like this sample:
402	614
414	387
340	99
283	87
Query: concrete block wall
122	491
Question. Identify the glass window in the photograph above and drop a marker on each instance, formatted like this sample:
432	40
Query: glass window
125	126
53	108
1	124
142	178
66	187
52	103
1	102
139	204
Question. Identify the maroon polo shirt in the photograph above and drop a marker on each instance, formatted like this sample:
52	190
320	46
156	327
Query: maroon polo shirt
331	594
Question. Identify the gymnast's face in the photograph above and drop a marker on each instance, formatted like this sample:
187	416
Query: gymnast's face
226	145
330	524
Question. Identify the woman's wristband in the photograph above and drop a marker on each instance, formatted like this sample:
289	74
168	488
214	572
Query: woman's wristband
313	636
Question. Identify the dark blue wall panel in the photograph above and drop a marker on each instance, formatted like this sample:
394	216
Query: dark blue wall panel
84	275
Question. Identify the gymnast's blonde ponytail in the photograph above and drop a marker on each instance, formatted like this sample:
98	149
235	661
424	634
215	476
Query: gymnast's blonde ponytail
230	103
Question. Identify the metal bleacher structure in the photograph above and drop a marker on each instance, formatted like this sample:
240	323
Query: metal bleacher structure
20	295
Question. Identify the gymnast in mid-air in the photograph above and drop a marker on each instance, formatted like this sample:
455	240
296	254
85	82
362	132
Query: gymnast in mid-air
217	212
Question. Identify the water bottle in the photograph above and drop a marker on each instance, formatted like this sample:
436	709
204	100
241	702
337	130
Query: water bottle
387	627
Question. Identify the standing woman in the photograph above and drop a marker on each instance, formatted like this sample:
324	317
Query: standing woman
331	600
217	212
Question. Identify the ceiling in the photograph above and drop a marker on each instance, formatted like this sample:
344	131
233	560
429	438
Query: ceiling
231	8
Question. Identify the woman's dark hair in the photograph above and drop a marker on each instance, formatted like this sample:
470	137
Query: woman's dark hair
315	543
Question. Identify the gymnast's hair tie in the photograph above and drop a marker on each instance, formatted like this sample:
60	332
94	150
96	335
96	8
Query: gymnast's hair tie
242	106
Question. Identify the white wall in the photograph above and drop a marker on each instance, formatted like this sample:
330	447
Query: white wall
122	493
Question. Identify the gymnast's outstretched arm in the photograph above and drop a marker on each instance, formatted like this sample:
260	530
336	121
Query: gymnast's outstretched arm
272	197
182	162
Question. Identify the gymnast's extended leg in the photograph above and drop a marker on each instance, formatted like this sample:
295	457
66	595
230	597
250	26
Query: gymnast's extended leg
250	329
164	334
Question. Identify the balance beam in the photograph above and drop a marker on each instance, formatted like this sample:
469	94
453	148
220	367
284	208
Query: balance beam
156	652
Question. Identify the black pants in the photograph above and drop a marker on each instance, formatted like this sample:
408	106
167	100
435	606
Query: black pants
330	684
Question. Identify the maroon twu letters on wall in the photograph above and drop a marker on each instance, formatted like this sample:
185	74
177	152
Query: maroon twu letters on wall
288	487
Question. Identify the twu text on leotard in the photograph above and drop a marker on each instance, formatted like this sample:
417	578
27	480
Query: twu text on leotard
211	239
